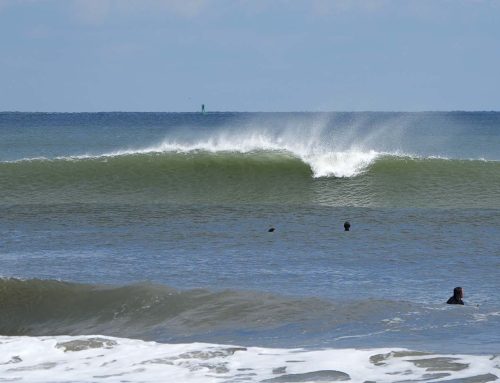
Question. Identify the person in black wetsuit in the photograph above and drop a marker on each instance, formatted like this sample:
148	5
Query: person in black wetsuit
456	299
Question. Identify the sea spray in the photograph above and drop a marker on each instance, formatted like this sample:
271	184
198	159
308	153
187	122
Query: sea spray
184	201
181	174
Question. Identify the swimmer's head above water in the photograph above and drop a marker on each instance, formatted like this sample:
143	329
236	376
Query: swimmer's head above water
456	299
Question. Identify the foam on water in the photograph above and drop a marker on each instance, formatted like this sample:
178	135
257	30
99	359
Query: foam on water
330	146
349	163
323	162
108	359
327	154
337	154
315	159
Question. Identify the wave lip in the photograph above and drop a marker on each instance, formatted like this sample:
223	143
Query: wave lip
344	164
341	164
188	174
48	307
150	311
324	161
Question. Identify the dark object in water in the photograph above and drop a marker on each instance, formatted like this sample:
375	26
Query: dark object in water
271	230
456	299
316	376
347	226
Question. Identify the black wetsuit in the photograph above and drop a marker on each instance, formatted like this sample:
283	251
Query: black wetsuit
455	301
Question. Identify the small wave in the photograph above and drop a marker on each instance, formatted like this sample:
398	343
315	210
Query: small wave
47	307
157	312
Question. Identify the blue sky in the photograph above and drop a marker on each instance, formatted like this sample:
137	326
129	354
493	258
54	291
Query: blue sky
249	55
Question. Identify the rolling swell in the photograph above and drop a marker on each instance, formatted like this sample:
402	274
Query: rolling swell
47	307
262	176
157	312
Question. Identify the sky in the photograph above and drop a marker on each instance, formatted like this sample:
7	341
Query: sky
249	55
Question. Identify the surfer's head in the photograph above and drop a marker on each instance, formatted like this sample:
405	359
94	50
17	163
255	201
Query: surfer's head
458	292
347	226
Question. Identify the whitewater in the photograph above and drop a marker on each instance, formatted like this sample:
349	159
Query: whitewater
136	247
105	359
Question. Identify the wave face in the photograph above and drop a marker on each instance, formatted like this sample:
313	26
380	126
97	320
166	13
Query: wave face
79	195
338	159
157	312
45	307
261	176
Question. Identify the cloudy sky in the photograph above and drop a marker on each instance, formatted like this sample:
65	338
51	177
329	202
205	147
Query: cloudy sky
249	55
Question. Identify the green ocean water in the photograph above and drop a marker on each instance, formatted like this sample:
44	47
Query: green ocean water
255	177
155	226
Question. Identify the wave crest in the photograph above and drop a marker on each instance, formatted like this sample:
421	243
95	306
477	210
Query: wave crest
191	175
322	160
48	307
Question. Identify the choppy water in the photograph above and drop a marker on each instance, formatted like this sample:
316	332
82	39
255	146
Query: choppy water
155	226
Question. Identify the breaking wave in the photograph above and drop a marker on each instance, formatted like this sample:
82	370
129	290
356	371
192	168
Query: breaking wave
213	174
157	312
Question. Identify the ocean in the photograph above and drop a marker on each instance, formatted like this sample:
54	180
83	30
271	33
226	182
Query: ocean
138	247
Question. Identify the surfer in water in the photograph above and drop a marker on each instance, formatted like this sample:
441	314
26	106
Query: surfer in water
456	299
347	226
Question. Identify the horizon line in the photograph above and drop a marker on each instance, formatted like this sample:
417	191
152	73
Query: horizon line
262	112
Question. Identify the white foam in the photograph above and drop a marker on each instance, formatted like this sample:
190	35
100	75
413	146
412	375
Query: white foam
108	359
329	154
323	162
324	159
483	317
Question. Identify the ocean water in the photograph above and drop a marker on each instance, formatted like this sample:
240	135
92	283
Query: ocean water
135	247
